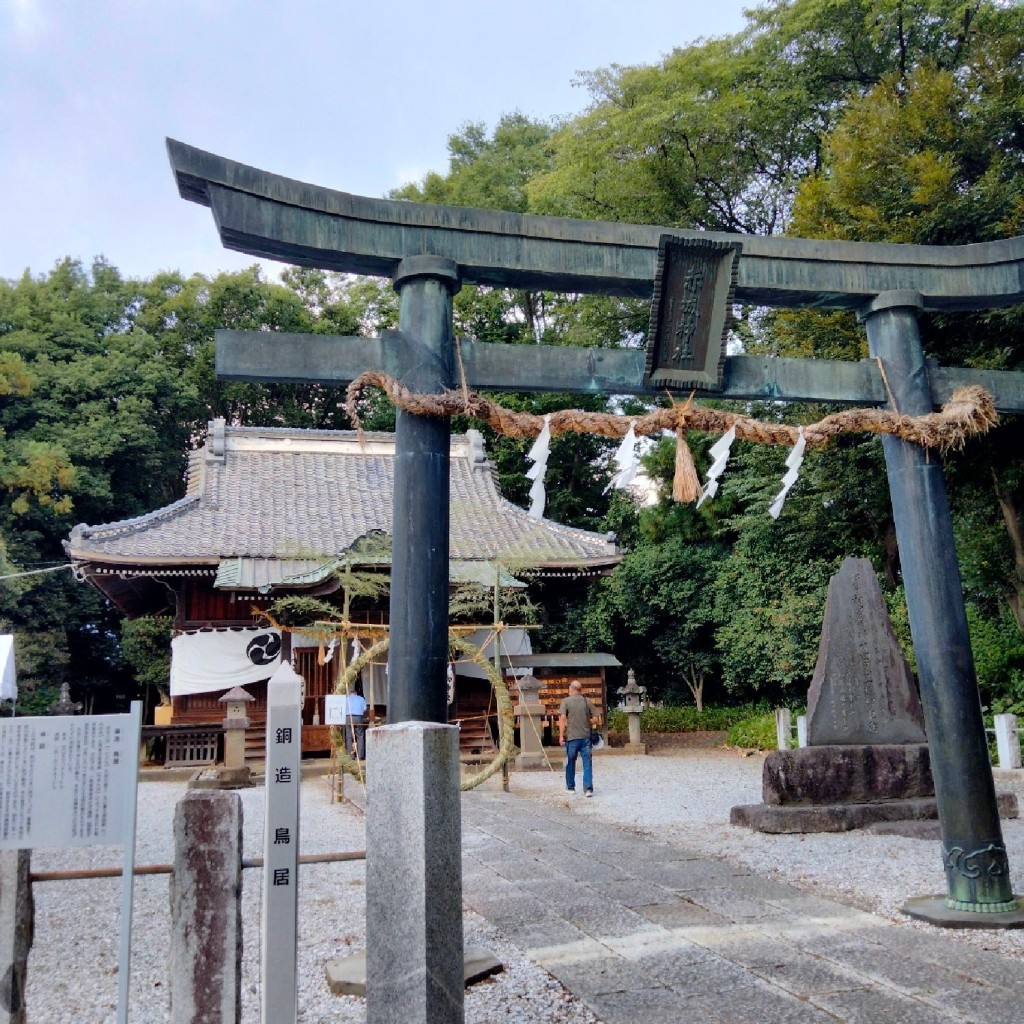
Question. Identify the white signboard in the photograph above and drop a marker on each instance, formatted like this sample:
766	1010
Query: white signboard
64	780
72	781
279	966
334	709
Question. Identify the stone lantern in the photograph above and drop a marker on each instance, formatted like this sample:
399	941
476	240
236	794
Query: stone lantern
530	713
65	705
236	721
632	703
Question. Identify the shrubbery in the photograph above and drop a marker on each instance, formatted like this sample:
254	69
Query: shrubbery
757	732
663	719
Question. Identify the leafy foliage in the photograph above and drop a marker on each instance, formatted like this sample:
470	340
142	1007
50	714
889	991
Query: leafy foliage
755	733
667	718
105	384
146	646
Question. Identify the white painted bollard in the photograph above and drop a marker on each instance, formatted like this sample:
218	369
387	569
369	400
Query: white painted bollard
783	729
278	960
414	947
801	730
1007	740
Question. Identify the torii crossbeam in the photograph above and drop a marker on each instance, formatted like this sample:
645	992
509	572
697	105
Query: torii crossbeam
429	251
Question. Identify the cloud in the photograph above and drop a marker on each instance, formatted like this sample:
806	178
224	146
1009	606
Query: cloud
25	17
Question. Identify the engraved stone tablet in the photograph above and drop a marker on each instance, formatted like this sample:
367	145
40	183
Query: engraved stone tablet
693	295
862	690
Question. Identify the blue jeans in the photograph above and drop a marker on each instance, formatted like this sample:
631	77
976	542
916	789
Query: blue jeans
581	747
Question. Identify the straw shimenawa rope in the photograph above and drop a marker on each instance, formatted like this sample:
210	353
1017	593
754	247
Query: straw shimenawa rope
970	411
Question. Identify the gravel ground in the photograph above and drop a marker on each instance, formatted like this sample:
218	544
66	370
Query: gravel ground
73	964
682	797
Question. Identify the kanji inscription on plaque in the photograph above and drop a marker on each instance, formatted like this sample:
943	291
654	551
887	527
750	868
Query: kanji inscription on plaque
693	295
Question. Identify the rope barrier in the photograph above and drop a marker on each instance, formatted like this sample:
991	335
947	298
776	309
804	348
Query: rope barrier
969	412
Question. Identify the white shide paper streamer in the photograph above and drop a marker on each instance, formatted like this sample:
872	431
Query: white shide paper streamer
627	461
719	453
796	456
538	455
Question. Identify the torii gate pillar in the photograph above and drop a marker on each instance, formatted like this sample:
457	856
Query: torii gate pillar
418	656
414	942
973	852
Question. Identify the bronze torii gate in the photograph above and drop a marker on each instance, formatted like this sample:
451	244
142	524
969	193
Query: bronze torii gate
429	251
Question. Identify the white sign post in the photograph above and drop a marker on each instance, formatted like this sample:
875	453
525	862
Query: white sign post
334	709
8	681
281	848
72	781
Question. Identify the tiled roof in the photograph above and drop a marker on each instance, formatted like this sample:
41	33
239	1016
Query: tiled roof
305	496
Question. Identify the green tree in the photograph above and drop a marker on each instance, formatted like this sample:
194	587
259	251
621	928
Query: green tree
933	153
106	382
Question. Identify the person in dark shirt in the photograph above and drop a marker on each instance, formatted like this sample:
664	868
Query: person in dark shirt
576	716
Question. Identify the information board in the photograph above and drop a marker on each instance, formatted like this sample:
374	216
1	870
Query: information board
72	780
64	780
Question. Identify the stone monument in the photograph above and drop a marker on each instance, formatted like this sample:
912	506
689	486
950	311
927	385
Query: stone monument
862	690
867	758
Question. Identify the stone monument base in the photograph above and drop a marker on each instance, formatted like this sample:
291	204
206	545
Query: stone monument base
846	817
530	762
221	778
346	976
842	787
633	748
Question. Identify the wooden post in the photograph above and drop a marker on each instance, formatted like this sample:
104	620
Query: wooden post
15	933
973	852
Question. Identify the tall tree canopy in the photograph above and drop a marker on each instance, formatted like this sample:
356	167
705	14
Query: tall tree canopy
892	120
105	383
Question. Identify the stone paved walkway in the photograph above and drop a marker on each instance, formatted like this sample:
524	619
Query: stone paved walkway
644	934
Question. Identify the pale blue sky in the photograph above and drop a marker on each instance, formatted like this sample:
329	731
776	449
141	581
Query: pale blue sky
356	96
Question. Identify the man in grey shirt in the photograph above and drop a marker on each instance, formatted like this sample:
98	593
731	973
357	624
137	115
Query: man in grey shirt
576	715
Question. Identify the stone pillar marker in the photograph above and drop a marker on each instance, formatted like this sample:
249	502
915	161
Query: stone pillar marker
414	948
278	962
206	909
1007	740
530	713
783	729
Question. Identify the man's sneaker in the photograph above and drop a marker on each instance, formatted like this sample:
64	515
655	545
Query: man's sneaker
570	790
590	792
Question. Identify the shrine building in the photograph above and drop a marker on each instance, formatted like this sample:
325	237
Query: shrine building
275	512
